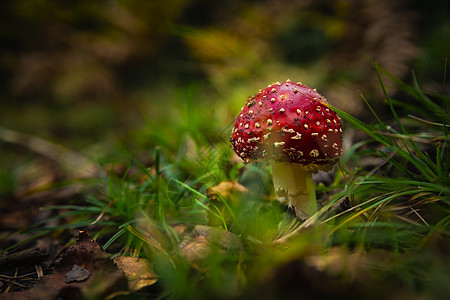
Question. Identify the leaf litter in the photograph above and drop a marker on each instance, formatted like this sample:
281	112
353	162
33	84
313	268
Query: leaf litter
85	270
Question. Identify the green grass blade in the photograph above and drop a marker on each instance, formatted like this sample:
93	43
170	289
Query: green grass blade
217	215
114	238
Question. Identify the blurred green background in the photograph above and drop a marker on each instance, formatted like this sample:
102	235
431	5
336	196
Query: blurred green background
101	77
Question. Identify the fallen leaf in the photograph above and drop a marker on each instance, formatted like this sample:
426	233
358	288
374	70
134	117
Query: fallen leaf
138	272
219	236
196	249
223	196
77	274
225	189
84	270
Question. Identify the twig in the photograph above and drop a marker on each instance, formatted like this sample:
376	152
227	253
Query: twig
428	122
103	212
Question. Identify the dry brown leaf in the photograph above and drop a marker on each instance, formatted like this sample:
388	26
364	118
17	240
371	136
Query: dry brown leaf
84	270
219	236
225	189
77	274
196	249
138	271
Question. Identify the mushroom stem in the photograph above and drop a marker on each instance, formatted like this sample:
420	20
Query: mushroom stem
293	183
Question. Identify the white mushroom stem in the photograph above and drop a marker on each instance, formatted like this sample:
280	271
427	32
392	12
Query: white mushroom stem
293	183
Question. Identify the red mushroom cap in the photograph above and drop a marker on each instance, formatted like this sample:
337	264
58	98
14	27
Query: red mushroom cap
288	122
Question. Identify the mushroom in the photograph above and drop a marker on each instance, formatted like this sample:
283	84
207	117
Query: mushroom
291	126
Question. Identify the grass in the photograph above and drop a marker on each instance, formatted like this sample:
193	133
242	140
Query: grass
395	224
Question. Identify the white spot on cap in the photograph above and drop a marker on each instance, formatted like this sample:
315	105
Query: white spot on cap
335	146
305	125
298	136
318	123
253	139
324	137
269	122
278	144
250	112
246	126
295	91
290	130
318	108
282	110
273	90
260	103
257	125
267	136
314	153
299	111
272	100
314	134
282	97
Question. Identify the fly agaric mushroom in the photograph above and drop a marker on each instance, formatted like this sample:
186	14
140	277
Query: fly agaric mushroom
291	126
